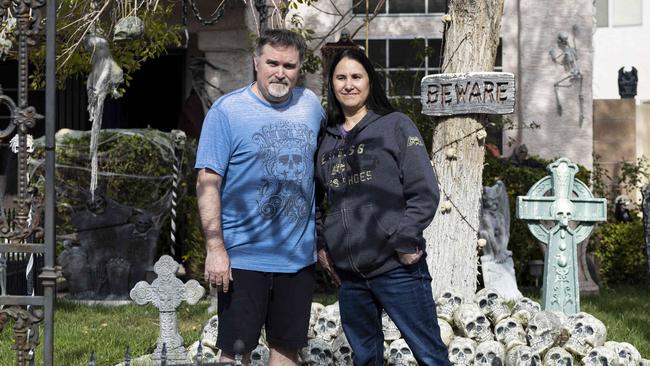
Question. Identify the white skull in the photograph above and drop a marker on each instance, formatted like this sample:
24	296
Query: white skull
490	353
471	322
492	304
259	356
587	332
524	310
510	332
342	351
558	356
644	362
446	331
318	352
400	354
207	353
447	303
543	331
130	27
328	323
462	351
391	332
316	308
209	333
523	356
600	356
627	354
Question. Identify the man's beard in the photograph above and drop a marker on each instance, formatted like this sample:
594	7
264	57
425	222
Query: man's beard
278	90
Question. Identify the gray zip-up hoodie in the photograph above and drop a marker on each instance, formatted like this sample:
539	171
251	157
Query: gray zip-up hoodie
381	193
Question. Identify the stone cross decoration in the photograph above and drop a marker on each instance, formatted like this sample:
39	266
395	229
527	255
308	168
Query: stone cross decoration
167	292
561	211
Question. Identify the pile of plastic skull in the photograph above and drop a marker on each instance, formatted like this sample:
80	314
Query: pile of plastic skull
482	331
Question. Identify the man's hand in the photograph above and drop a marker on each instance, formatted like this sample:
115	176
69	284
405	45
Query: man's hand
217	268
410	258
326	262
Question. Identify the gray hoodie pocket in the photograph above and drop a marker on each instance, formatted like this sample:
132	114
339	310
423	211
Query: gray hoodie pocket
367	238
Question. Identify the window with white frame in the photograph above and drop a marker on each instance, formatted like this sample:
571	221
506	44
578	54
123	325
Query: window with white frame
618	13
403	62
401	6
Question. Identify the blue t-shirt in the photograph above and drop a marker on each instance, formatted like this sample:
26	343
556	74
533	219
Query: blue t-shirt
264	152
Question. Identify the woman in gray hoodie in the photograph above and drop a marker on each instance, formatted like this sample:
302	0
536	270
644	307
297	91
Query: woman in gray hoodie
380	193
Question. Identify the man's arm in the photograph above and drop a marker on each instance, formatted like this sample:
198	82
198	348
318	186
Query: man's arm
217	262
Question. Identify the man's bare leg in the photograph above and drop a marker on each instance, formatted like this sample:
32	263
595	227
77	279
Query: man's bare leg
283	357
230	358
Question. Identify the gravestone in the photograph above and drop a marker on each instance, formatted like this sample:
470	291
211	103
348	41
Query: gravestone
496	262
117	248
166	293
561	212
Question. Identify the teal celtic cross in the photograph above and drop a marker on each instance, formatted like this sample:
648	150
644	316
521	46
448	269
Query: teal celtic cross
560	212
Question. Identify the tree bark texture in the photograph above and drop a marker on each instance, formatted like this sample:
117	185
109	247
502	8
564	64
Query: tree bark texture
471	40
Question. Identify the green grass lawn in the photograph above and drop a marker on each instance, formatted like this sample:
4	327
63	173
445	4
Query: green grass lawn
108	331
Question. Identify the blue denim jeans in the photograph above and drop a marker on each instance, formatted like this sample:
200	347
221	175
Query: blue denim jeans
405	294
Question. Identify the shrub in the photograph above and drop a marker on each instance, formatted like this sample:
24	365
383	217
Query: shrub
621	251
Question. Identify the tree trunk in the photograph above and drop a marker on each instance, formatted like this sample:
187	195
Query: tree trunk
472	37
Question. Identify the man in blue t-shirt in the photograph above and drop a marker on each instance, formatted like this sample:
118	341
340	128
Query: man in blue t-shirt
256	199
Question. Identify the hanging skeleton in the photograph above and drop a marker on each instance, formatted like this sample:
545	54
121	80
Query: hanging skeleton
567	56
105	76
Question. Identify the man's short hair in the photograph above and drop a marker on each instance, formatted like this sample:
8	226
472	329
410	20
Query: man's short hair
281	37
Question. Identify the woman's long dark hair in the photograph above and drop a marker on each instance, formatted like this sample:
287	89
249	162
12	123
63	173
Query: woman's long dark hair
377	100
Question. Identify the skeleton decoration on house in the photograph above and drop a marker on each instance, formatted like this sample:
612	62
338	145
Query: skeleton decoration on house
567	55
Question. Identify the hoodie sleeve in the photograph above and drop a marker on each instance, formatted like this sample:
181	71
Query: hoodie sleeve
419	187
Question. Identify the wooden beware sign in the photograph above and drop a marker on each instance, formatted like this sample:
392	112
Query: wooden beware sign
468	93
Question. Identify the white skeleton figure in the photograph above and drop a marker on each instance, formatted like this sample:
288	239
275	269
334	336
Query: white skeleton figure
510	332
104	78
317	353
446	331
328	323
626	353
558	356
209	333
316	308
523	356
492	304
260	356
587	333
207	353
490	353
471	322
391	332
462	351
543	331
342	351
600	356
447	303
524	309
399	354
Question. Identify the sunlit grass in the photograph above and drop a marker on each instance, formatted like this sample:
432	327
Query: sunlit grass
80	329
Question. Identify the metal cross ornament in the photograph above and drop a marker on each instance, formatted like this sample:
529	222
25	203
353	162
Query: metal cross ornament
560	212
167	292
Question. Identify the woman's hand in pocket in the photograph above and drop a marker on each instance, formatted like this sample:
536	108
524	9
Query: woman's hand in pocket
410	258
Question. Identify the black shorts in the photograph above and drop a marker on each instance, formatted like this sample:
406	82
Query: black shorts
279	301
